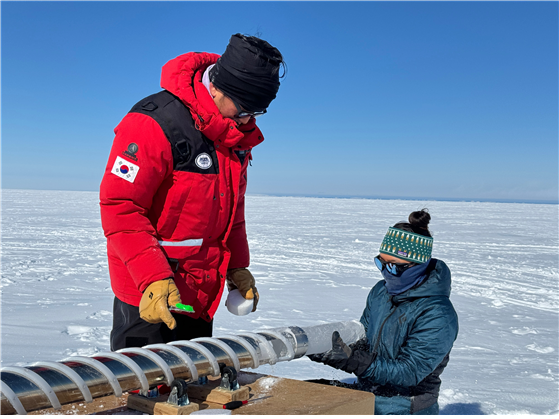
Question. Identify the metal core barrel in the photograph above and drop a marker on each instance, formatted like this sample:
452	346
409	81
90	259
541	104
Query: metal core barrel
81	379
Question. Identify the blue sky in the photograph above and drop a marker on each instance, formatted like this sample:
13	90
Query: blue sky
453	100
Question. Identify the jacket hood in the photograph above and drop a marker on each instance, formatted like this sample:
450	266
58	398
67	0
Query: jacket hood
437	284
182	76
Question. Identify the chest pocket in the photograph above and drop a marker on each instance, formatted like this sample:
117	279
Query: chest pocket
178	189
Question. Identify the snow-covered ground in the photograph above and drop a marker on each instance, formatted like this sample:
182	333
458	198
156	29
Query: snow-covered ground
313	261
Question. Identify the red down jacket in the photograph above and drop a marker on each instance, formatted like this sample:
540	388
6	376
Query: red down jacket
151	212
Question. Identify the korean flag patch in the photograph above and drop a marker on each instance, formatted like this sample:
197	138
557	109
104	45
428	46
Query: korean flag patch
124	169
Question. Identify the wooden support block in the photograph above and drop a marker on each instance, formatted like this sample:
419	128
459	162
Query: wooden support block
211	392
159	406
171	409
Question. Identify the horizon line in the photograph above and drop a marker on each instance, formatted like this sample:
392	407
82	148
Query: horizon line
341	196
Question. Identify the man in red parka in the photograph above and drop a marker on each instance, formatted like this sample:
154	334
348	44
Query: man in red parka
173	192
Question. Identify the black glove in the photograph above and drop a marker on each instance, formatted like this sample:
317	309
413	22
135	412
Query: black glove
342	357
360	345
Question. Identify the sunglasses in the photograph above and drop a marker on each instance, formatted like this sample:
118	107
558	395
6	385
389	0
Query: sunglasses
393	268
243	114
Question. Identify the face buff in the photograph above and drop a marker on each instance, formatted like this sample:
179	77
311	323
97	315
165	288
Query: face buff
397	284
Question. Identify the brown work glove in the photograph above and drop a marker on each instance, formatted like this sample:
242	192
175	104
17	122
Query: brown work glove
242	279
154	305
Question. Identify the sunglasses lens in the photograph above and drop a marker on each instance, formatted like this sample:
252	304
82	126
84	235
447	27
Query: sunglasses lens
393	269
244	114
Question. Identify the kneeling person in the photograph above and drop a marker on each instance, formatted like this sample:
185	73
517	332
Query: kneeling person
410	325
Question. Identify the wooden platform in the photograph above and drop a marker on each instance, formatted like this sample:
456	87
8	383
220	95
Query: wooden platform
271	395
108	405
294	397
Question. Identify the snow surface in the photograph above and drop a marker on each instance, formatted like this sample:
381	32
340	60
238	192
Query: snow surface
313	261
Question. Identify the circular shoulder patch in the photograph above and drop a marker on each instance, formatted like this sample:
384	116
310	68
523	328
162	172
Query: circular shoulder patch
203	161
133	148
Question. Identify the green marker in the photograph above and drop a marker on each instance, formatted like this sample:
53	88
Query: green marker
182	308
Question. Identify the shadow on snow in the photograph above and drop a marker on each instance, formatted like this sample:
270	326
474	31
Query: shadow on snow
462	409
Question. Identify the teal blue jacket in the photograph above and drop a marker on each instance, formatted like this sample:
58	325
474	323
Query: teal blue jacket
411	335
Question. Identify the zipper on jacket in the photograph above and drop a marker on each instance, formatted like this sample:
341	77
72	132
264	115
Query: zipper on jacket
380	330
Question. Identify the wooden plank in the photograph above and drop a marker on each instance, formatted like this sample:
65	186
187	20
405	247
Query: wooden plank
294	397
101	404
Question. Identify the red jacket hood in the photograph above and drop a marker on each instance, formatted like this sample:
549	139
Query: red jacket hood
182	76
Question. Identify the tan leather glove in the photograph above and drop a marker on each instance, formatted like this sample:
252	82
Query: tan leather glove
242	279
154	305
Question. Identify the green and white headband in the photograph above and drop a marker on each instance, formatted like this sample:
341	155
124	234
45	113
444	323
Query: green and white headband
408	246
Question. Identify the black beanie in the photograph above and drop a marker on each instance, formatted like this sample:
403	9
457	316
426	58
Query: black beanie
248	72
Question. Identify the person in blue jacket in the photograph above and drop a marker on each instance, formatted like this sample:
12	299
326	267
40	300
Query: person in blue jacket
410	325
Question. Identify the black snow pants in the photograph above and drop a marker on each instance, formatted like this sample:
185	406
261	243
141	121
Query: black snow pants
130	331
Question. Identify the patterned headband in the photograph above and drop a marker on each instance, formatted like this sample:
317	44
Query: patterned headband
408	246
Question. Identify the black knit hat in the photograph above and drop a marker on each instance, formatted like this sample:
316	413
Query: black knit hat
248	72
